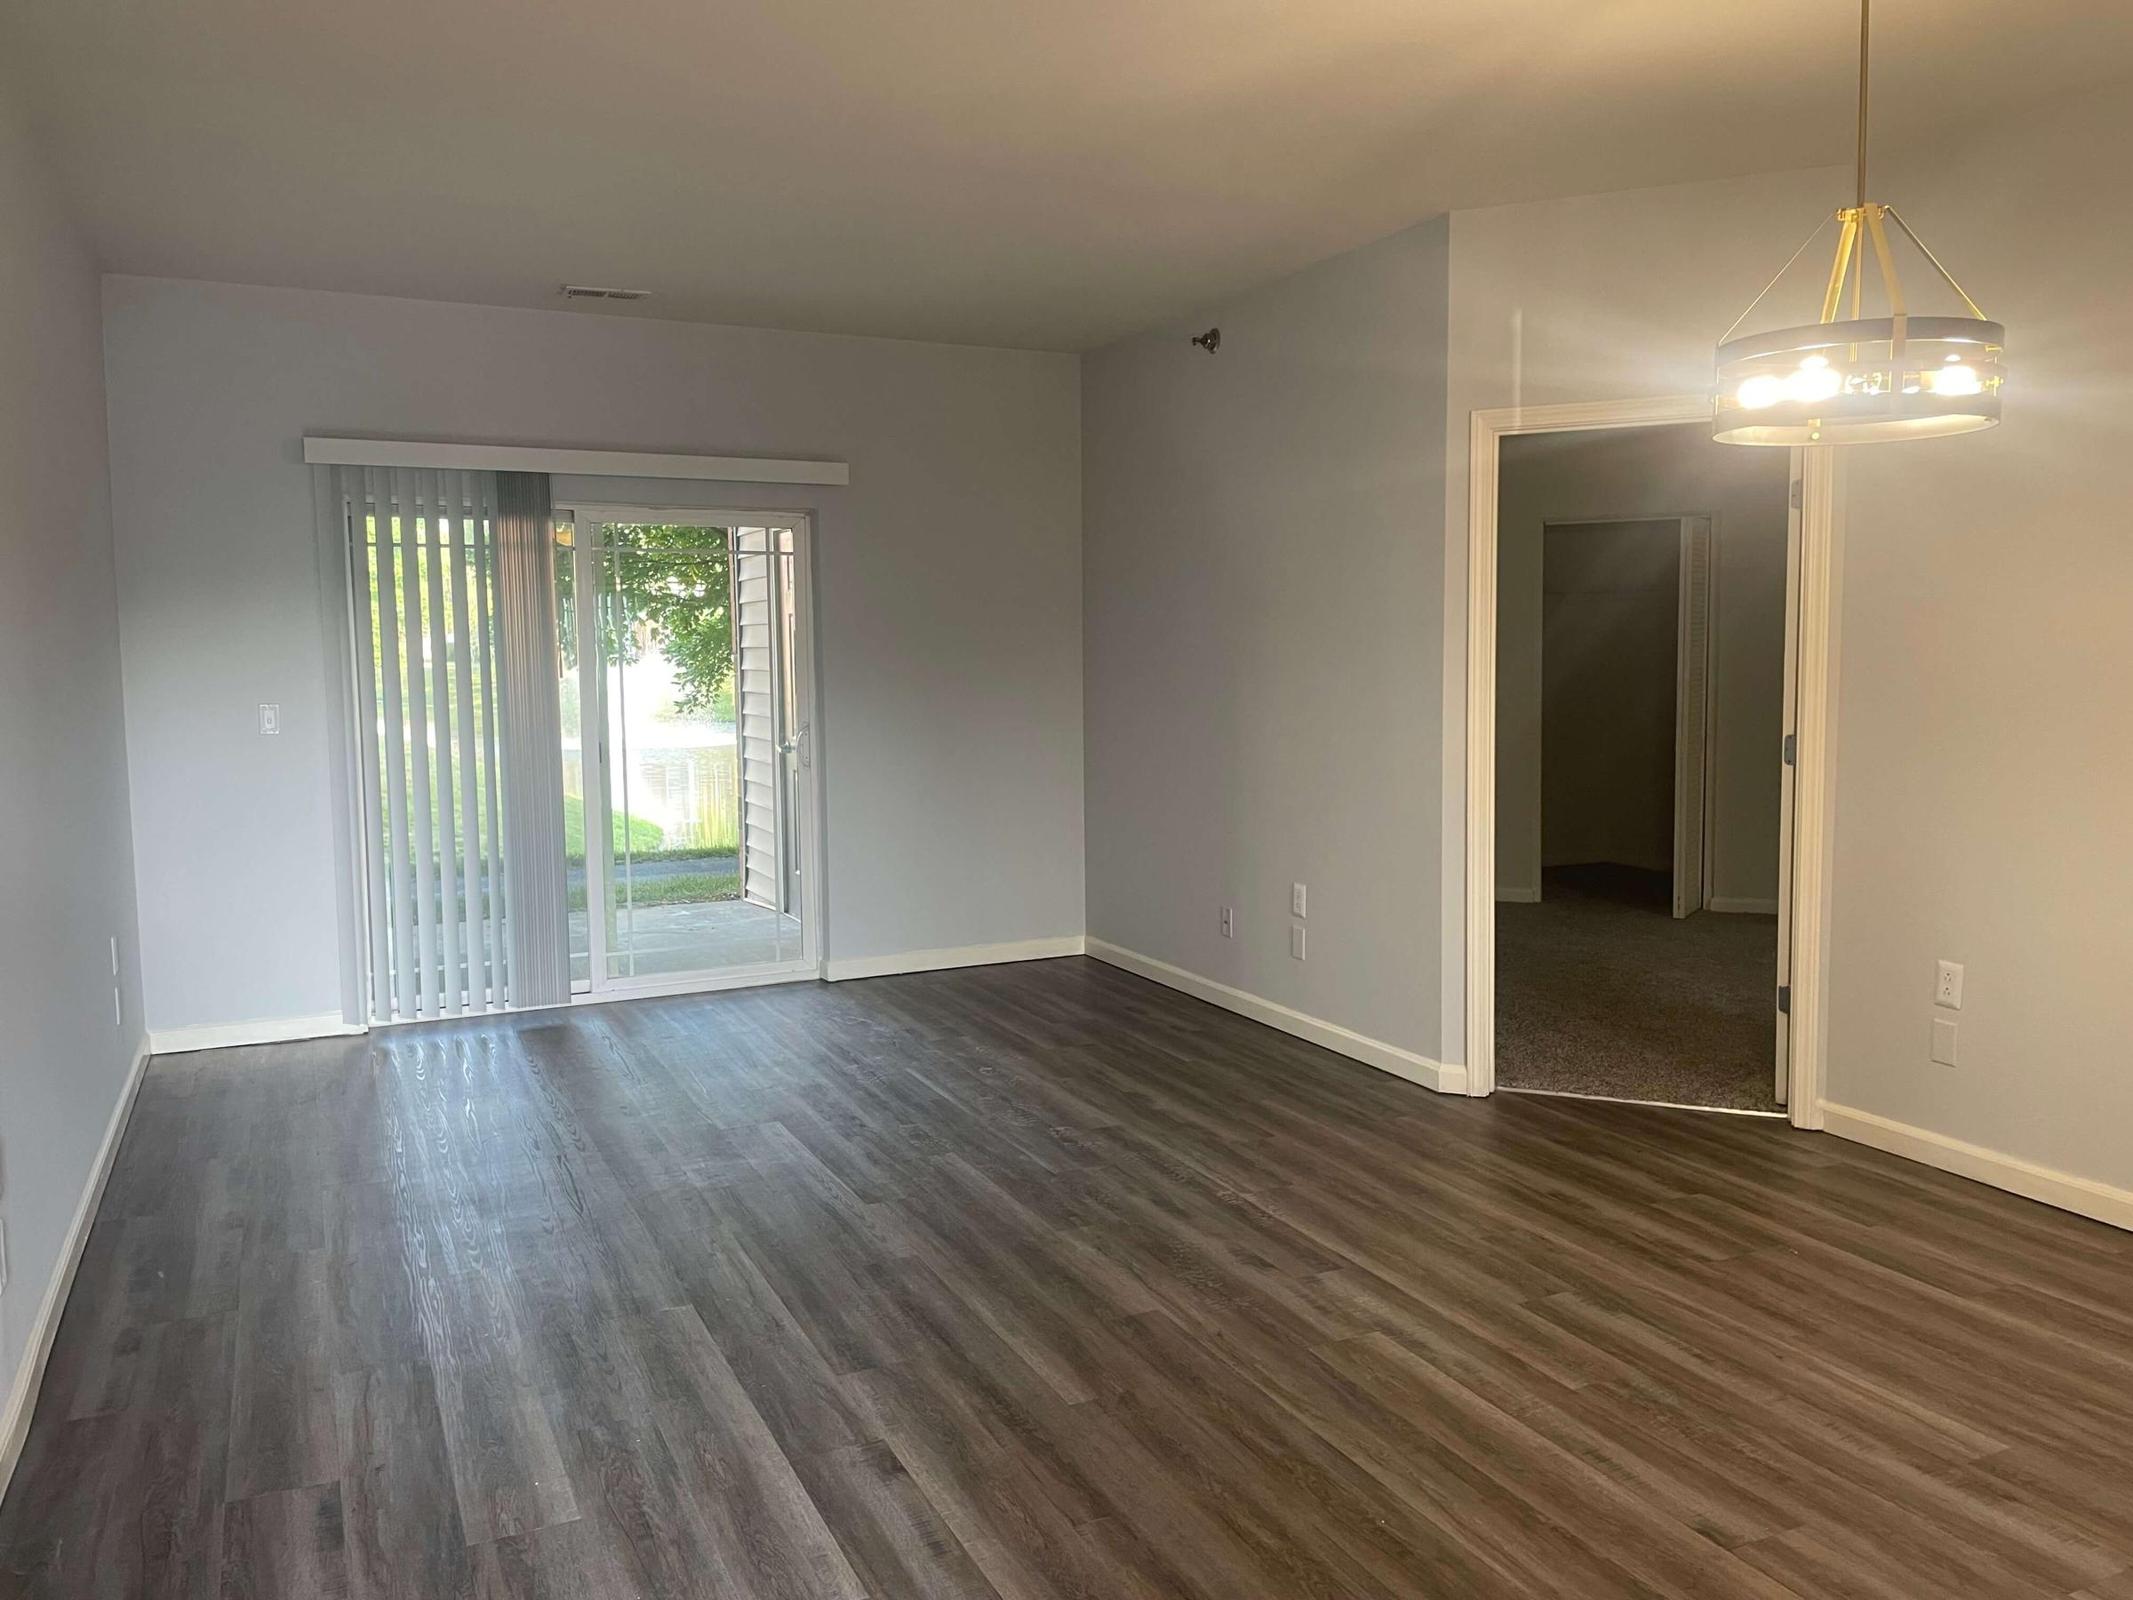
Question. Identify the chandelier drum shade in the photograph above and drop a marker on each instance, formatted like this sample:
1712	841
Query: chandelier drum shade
1851	377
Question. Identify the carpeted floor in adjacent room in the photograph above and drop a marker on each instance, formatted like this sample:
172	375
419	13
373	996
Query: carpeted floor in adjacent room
1600	991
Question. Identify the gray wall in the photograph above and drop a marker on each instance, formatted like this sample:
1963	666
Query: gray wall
948	579
66	868
1638	472
1263	588
1985	714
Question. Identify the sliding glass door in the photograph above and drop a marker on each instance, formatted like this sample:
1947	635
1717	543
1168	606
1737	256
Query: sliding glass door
685	733
580	749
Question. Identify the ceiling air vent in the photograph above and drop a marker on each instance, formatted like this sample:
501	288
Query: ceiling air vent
593	291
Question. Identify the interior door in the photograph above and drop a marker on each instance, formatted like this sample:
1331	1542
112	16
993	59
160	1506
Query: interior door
1692	717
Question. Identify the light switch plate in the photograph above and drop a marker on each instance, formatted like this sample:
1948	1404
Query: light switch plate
1948	984
270	719
1296	940
1944	1041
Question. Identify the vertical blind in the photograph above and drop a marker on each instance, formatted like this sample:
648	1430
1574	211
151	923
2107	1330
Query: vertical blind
454	658
529	676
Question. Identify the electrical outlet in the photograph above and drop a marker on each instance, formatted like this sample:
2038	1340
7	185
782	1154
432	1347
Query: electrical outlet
1229	922
1296	899
270	719
1944	1041
114	955
1296	940
1948	984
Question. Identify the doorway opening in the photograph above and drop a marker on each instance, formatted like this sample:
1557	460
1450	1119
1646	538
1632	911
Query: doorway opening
1640	802
686	735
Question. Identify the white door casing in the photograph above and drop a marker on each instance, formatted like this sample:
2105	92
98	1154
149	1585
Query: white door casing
1803	890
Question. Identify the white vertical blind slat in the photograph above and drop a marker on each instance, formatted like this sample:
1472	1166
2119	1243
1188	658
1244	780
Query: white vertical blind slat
353	504
422	797
451	984
481	525
468	737
398	863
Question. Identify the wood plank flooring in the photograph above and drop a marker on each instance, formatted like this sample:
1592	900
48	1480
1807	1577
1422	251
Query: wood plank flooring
1041	1281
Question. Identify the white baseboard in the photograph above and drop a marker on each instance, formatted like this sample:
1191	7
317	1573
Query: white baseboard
1741	904
29	1375
1517	897
969	955
1444	1077
2083	1196
264	1030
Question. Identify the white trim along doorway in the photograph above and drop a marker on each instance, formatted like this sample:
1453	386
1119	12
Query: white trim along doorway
1801	987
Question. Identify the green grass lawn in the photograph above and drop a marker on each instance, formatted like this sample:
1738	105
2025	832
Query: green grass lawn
633	834
682	889
716	835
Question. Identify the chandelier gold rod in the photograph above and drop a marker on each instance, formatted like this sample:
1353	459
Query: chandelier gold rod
1947	277
1890	283
1847	244
1865	34
1773	283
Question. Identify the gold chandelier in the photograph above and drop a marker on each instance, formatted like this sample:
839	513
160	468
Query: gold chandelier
1851	378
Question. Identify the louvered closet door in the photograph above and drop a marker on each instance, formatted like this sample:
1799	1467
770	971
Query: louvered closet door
452	781
756	708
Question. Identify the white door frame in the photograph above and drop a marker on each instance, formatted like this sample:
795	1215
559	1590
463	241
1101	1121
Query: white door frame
593	712
1813	473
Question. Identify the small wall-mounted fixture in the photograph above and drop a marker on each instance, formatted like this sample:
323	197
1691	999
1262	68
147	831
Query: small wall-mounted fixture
593	291
1210	341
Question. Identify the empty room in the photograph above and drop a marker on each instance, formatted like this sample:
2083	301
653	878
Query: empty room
1066	803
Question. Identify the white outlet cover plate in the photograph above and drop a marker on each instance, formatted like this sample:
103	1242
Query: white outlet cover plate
1944	1041
1948	984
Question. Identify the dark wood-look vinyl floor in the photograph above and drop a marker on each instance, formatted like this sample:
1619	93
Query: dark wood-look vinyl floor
1042	1281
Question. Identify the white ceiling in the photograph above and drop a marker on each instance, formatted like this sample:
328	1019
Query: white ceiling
1049	173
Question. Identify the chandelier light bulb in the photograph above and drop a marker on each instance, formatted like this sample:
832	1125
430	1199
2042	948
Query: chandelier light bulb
1760	391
